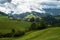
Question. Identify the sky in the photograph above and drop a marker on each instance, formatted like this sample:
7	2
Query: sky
22	6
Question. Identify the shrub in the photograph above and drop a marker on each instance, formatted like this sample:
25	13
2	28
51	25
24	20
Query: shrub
14	33
37	26
19	33
33	26
32	19
7	35
1	35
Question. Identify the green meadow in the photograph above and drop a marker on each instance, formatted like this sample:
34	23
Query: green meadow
46	34
7	25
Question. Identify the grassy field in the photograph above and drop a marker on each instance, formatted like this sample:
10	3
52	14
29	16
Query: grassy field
7	25
47	34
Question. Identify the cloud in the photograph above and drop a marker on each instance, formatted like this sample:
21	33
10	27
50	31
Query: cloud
5	10
21	6
51	4
4	1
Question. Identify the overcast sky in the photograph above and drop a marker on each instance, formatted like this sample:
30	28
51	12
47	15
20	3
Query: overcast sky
20	6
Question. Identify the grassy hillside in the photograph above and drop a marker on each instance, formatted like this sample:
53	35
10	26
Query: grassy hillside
30	16
6	25
46	34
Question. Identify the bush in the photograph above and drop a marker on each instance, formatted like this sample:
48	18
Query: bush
32	19
14	33
41	26
7	35
19	33
1	35
37	26
33	26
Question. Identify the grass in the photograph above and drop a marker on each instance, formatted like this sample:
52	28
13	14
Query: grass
7	39
46	34
6	25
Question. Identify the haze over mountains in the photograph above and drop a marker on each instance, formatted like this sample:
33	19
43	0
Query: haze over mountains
23	6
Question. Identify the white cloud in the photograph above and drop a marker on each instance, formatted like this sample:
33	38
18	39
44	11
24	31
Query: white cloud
26	5
5	10
21	6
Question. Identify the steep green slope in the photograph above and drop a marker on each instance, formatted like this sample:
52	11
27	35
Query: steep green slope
30	16
46	34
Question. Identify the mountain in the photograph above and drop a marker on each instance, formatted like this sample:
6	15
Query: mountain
2	13
53	12
4	1
31	16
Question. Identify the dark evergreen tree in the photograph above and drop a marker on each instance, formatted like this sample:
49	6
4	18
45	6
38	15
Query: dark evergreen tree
32	19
